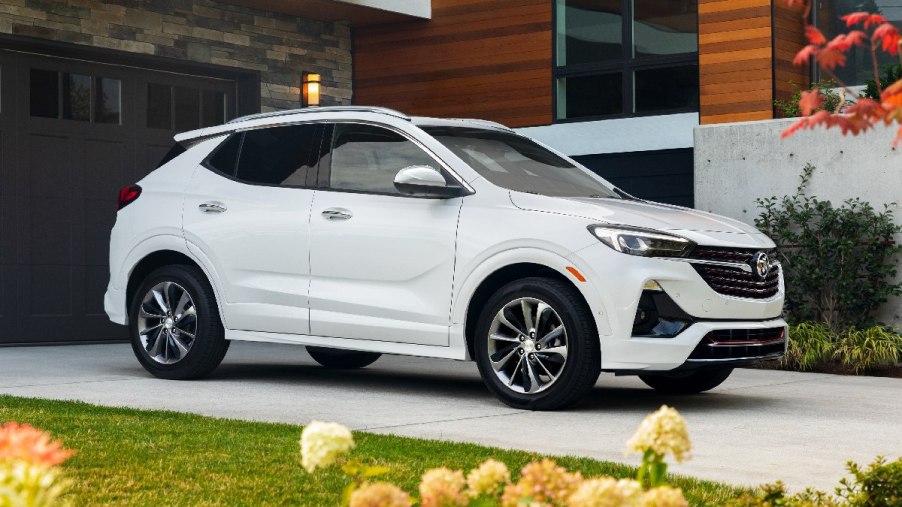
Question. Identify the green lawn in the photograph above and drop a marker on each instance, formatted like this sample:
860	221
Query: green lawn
136	457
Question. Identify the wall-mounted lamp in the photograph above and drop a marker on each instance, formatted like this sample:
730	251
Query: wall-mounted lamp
309	89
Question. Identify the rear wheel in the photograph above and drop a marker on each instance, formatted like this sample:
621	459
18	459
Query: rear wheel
536	345
693	383
174	324
342	359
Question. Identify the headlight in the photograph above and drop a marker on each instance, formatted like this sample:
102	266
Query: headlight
644	242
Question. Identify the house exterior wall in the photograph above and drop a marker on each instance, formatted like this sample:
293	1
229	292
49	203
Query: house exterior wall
735	60
489	59
278	46
789	39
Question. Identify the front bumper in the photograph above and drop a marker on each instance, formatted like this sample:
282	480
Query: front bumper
664	354
617	282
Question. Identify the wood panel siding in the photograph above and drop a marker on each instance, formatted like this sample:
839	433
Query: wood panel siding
789	39
735	60
475	58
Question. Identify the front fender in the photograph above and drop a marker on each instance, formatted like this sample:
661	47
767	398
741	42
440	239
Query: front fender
475	277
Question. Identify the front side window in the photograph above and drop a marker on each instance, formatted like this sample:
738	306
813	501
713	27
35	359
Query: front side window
366	158
859	67
517	163
286	156
625	57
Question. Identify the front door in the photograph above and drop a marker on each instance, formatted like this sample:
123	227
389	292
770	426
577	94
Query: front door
251	219
382	263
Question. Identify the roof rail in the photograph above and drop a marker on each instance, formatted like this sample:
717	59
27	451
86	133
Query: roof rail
324	109
487	123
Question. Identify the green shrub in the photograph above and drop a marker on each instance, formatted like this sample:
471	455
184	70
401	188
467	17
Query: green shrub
877	485
814	345
811	344
866	349
891	74
790	108
837	261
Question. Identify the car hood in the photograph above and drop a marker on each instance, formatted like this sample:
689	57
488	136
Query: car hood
699	226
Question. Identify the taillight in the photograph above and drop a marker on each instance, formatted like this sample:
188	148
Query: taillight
128	195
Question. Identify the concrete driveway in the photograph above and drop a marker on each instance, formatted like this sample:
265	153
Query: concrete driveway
757	427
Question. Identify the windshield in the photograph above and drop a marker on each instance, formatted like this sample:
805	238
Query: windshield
517	163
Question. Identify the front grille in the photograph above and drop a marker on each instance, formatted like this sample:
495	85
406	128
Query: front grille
741	344
734	281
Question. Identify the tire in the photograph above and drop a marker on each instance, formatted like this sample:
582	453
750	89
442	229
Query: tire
168	351
696	382
529	377
342	359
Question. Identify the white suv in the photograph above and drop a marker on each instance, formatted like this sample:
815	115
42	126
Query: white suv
361	231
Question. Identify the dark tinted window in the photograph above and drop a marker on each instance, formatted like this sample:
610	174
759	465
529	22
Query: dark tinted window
176	150
107	100
666	88
517	163
367	158
159	106
44	91
187	108
225	157
280	155
590	95
76	97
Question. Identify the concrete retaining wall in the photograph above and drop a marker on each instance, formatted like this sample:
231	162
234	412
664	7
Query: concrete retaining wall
737	163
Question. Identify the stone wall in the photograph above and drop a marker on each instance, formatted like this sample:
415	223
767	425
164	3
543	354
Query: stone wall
737	163
279	46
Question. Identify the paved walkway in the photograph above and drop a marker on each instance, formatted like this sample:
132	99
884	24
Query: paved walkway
757	427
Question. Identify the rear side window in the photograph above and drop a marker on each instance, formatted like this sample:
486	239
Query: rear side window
225	158
286	156
367	158
176	150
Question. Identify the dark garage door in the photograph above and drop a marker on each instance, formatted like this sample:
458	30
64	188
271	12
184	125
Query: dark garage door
661	176
72	132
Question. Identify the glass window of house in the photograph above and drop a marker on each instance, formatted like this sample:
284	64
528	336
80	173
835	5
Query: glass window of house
858	69
665	28
589	31
617	58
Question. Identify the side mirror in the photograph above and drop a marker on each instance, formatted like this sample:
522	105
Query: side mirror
425	181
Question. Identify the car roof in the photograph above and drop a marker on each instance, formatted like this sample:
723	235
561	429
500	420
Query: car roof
273	118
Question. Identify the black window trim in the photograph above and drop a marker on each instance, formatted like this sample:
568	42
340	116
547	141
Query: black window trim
626	65
450	175
233	176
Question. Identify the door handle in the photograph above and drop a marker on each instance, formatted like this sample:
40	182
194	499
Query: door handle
212	207
337	214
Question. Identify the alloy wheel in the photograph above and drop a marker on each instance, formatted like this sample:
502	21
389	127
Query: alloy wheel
527	345
167	322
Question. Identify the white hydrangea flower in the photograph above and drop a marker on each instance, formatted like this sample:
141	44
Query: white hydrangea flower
322	443
488	478
664	496
663	432
606	492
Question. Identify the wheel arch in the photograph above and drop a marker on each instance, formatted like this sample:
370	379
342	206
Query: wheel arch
510	272
150	262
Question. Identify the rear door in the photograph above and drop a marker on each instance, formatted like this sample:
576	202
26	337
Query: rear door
381	262
251	219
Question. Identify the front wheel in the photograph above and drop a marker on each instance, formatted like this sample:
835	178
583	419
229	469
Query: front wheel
536	344
338	359
693	383
174	324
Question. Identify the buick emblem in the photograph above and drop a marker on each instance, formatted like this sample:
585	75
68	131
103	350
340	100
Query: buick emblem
760	265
